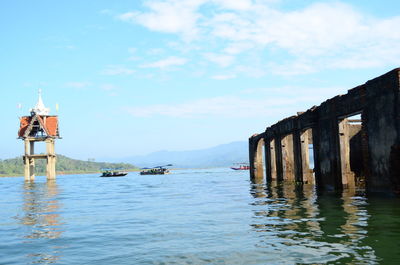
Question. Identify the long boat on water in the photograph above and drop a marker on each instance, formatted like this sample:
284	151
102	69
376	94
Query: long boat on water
241	166
113	173
158	170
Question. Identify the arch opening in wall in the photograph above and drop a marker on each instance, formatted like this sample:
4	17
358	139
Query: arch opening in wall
353	150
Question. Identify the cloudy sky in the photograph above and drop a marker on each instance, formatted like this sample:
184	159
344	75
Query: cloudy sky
133	77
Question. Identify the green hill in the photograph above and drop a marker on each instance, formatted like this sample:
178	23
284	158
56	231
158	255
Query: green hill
65	165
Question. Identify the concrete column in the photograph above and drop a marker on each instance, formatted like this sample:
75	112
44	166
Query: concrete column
29	168
278	158
51	160
344	140
258	161
251	157
288	158
307	172
297	148
32	169
381	117
273	159
267	160
326	154
29	163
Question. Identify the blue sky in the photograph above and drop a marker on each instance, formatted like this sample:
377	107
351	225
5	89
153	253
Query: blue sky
133	77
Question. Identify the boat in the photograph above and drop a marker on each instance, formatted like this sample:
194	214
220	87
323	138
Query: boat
158	170
241	166
113	173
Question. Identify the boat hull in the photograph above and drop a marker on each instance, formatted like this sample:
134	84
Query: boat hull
152	173
112	175
239	168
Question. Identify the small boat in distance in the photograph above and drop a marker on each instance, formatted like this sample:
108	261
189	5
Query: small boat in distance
113	173
158	170
241	166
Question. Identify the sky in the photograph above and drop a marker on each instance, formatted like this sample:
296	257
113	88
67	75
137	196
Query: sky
135	77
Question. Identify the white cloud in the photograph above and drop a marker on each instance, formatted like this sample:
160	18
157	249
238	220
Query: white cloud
224	77
325	35
172	16
238	47
117	70
222	60
235	5
165	63
289	101
78	85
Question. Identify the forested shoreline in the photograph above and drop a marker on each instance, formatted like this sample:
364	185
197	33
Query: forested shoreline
64	165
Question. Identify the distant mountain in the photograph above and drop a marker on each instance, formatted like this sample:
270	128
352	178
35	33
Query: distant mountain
15	166
221	155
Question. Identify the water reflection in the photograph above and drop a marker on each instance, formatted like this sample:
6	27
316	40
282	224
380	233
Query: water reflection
311	228
41	216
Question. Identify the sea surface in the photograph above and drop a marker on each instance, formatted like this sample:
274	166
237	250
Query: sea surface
208	216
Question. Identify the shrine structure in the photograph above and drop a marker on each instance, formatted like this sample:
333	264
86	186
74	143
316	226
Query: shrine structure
39	127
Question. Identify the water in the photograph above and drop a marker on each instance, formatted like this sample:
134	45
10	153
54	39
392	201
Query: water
191	217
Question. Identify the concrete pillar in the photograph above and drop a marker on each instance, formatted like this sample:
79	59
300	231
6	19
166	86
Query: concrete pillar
273	159
29	168
251	157
267	160
29	163
51	159
381	117
298	171
307	172
270	160
258	161
326	154
346	131
288	158
278	158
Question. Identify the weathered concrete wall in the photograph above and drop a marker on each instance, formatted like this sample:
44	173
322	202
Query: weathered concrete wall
327	148
379	140
381	118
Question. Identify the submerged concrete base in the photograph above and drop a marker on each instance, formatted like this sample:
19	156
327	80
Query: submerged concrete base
30	157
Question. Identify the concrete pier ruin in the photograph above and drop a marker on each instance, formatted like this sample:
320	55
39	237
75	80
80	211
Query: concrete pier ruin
351	139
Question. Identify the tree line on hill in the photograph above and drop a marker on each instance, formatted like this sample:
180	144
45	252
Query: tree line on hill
64	165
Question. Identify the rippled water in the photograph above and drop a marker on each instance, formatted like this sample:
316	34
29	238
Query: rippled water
191	217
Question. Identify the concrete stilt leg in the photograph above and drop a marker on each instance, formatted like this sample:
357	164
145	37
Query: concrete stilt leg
51	160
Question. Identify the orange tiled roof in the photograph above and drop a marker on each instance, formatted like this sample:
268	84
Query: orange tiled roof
24	123
48	123
51	124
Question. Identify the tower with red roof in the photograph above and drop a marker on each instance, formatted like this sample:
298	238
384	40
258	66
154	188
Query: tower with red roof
39	127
